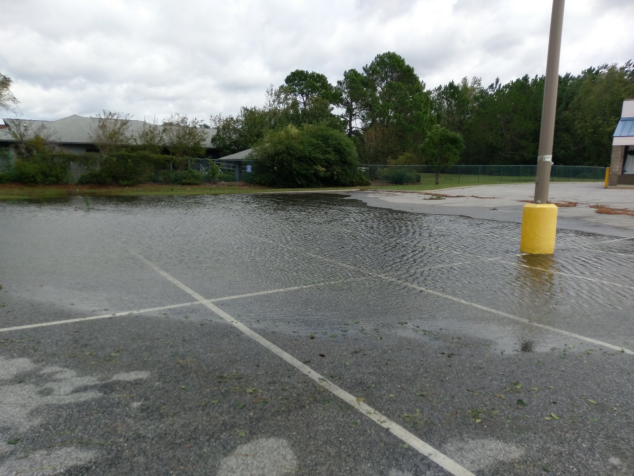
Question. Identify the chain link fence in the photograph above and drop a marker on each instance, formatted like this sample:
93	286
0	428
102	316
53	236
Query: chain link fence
6	160
475	174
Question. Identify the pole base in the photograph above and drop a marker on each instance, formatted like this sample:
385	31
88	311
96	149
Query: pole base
539	226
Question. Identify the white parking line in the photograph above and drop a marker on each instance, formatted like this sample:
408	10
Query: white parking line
175	306
92	318
412	440
453	298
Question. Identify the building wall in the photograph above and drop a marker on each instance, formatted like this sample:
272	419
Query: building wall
616	165
628	108
74	149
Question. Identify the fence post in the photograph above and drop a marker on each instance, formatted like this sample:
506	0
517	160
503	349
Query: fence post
459	169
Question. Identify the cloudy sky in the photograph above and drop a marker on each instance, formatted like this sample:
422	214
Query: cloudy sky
151	58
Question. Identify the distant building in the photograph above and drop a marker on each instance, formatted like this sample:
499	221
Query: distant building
622	164
75	133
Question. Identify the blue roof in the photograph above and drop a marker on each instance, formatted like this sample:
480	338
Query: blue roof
625	127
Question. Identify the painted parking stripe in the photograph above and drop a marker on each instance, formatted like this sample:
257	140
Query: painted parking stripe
453	298
176	306
93	318
412	440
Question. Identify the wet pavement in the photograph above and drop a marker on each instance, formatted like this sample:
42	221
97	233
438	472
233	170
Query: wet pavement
505	202
307	334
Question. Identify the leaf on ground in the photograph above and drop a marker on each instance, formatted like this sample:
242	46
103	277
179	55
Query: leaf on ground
14	441
405	445
251	390
360	399
521	403
241	433
214	402
184	387
517	385
591	401
240	406
555	417
478	420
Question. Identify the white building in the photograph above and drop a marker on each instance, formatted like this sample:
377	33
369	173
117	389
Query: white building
622	164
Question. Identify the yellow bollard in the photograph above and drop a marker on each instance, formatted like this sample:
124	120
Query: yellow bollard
607	176
539	227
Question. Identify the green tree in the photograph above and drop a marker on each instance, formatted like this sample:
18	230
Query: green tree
596	110
304	87
441	149
241	132
151	138
503	127
312	155
308	98
110	131
184	136
397	102
452	104
352	97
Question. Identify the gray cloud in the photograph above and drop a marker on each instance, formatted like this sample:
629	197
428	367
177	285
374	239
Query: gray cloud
151	58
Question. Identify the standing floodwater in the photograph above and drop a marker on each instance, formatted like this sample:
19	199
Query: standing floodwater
503	363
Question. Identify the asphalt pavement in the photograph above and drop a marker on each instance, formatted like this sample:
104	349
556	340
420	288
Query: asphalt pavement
307	334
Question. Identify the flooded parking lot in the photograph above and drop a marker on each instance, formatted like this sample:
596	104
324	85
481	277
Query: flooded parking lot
307	334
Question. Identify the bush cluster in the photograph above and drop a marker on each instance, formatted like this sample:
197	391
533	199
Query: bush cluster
125	168
45	169
226	178
401	176
120	168
313	155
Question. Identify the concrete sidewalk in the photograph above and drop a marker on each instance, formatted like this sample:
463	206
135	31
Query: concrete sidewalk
505	203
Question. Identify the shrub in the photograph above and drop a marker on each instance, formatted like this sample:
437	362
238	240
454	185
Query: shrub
187	177
311	156
126	168
227	178
402	176
43	169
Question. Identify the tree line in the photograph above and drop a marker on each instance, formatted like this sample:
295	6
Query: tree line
388	112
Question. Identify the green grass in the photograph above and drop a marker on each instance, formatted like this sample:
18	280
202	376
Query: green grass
450	181
20	191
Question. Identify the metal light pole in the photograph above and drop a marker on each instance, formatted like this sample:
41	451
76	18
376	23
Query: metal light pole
539	221
547	133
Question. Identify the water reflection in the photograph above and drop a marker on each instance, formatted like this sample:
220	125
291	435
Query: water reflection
536	288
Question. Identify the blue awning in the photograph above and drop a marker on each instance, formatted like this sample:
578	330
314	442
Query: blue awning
625	127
